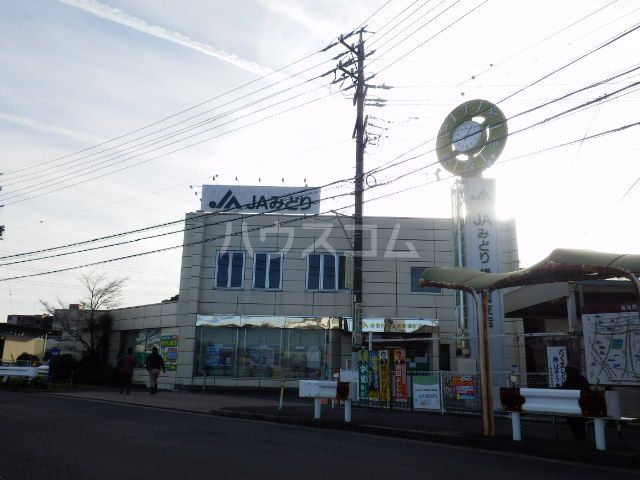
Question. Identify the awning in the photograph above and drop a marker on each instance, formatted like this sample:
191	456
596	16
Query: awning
562	265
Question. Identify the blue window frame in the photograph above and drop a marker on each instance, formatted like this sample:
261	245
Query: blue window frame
416	273
326	271
267	271
230	270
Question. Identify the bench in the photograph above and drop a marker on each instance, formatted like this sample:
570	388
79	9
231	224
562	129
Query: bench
29	372
329	389
559	402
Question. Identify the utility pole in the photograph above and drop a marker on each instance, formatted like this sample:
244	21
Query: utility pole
360	137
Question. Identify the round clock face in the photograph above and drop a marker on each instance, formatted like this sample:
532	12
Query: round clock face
471	138
467	136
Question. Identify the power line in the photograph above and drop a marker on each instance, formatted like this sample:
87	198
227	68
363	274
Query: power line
297	219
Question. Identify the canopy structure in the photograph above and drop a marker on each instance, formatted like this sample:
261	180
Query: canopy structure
562	265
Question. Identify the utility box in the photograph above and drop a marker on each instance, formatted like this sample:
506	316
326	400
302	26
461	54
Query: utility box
317	388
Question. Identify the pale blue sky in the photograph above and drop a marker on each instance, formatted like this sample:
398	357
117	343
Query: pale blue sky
77	72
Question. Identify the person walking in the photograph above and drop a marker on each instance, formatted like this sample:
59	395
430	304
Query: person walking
576	381
154	363
126	364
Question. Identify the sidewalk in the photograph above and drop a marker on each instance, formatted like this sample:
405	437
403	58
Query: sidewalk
539	438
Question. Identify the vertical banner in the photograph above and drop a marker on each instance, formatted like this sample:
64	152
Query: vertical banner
363	375
400	374
556	363
481	252
169	351
426	392
374	375
385	373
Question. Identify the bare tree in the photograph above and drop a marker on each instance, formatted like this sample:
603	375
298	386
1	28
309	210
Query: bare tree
88	327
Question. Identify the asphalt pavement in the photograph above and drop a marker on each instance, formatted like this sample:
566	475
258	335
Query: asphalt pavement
540	437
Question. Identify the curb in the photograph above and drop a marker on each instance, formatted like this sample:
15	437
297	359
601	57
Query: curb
537	448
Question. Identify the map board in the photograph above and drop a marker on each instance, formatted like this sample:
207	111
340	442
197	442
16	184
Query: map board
612	345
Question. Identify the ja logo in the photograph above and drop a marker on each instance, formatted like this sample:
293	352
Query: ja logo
228	201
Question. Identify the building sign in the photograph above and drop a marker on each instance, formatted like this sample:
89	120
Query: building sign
612	345
556	363
481	252
260	199
426	392
169	351
385	380
400	374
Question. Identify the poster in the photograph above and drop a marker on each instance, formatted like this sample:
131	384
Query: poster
463	387
612	345
261	357
374	375
219	356
400	374
426	392
556	363
363	375
385	374
169	351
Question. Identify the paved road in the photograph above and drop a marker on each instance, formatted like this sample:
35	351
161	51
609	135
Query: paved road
46	437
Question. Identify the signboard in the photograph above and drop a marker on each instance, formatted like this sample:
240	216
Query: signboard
363	375
385	380
356	336
374	375
481	252
169	351
556	363
400	374
612	346
426	392
260	199
463	387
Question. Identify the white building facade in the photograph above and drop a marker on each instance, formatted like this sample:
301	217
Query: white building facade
266	297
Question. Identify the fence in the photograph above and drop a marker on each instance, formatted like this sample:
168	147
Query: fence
448	392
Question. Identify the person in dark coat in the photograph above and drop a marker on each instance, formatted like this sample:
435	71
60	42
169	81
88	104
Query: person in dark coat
575	381
126	364
153	364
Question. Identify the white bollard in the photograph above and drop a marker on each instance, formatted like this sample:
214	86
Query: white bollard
515	426
316	408
347	411
598	426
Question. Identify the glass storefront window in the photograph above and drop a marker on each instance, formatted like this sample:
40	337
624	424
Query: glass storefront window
260	352
142	341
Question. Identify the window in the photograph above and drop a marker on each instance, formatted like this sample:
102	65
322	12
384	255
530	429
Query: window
416	273
326	271
230	271
267	271
142	341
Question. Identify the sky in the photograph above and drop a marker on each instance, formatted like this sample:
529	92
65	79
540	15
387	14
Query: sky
114	114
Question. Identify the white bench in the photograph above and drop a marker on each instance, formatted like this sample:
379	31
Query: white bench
319	389
29	372
551	401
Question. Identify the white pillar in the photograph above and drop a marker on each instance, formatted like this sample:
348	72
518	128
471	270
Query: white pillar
515	426
316	408
347	411
598	426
